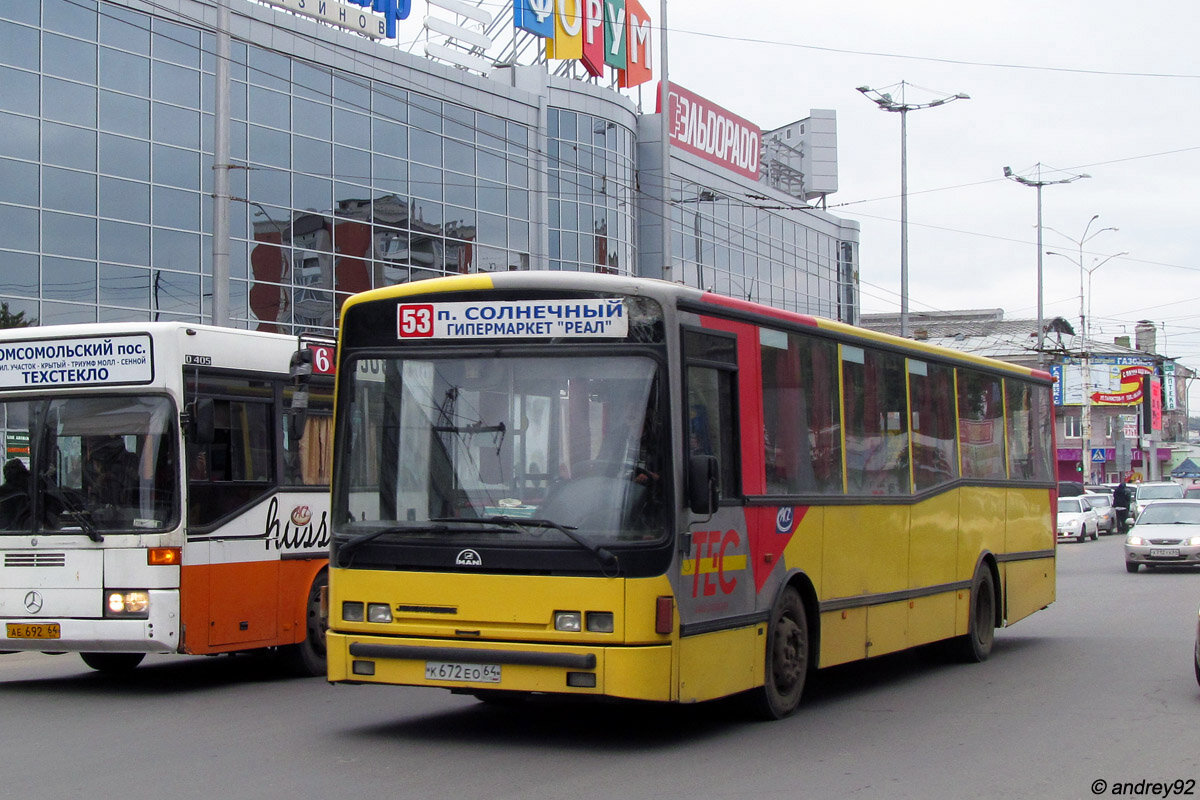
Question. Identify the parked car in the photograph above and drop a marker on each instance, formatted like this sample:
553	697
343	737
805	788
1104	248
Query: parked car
1167	532
1100	488
1077	520
1102	504
1069	489
1144	493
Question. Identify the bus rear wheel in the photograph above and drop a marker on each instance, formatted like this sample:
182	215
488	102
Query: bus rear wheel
307	658
976	644
787	658
112	663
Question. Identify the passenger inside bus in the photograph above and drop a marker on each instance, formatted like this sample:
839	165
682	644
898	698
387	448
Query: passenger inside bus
109	473
14	495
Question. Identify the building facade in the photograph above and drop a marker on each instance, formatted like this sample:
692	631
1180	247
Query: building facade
352	165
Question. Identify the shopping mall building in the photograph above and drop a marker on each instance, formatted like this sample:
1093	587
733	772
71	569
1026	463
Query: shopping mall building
355	163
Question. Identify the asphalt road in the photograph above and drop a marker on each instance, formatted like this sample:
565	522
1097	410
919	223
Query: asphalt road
1099	687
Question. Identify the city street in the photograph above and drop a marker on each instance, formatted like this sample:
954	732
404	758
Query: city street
1098	688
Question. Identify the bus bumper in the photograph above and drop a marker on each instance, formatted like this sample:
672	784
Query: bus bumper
629	672
159	633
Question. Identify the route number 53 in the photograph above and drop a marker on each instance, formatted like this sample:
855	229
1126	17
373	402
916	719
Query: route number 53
414	321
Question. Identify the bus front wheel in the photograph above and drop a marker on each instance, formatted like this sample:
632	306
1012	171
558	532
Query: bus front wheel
112	663
787	658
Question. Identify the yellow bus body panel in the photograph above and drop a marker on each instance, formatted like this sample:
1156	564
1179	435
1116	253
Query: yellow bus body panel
719	664
512	613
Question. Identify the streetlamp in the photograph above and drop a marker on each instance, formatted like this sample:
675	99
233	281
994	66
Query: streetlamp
887	103
1038	183
1085	414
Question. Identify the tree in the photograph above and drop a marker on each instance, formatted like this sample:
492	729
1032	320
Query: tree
11	320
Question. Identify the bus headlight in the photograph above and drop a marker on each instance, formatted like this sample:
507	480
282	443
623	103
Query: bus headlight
600	621
352	612
379	612
127	603
569	621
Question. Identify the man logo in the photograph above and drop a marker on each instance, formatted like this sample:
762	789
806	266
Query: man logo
468	558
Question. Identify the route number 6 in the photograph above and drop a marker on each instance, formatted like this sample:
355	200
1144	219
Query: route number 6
414	321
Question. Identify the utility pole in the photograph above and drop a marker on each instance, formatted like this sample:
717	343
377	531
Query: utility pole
887	103
1038	183
1085	415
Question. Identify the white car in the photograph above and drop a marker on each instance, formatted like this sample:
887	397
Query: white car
1077	520
1166	533
1198	648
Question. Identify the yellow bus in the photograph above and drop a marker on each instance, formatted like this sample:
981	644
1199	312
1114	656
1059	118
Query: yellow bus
560	483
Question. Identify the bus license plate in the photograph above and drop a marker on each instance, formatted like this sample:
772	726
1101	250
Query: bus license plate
40	630
1165	553
468	673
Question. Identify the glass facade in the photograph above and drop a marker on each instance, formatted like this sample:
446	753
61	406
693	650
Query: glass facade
737	247
340	181
591	176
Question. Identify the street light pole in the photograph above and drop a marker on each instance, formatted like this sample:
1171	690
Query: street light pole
887	103
1038	183
1085	413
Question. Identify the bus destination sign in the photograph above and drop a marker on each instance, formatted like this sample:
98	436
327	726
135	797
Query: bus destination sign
513	319
88	361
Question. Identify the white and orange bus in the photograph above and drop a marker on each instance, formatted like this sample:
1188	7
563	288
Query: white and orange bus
166	491
556	483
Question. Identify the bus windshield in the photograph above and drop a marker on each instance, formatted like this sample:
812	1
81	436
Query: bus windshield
505	449
93	465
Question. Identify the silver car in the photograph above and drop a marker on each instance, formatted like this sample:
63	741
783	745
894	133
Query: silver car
1167	532
1102	504
1143	494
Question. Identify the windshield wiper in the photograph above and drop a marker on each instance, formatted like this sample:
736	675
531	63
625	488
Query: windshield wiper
74	513
354	542
439	526
603	556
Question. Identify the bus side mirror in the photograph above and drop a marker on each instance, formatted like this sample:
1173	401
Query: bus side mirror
202	425
300	369
703	485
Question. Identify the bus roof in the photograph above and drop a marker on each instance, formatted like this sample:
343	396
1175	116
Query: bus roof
678	294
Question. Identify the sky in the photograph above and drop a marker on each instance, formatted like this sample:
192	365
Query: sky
1101	87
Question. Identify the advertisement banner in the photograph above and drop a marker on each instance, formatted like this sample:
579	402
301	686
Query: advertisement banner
709	131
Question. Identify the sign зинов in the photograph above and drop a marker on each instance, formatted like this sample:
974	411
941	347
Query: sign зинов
374	18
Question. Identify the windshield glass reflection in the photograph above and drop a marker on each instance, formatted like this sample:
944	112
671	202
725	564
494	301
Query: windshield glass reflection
435	446
93	464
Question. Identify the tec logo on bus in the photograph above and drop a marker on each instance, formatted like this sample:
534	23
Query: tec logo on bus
712	567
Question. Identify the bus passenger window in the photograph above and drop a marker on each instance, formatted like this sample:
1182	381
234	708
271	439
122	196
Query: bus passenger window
876	414
935	446
802	445
981	425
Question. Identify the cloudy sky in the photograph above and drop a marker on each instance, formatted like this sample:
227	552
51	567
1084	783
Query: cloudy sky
1100	87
